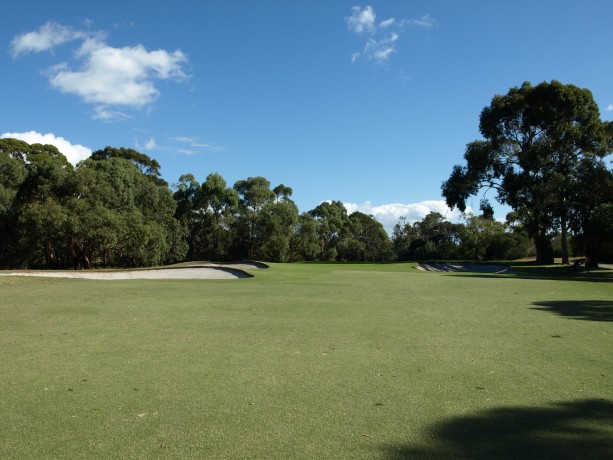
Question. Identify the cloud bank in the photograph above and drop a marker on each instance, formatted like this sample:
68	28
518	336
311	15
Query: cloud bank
73	152
382	38
389	214
111	79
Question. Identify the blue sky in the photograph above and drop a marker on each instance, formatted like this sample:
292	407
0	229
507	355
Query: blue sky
367	103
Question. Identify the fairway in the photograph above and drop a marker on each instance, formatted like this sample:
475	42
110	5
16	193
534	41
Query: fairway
308	361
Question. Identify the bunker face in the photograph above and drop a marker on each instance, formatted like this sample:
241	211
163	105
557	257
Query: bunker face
461	267
203	273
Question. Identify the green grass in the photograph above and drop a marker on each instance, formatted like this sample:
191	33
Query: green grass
309	361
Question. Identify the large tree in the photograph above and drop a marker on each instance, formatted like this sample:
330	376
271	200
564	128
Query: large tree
13	171
535	137
113	208
211	221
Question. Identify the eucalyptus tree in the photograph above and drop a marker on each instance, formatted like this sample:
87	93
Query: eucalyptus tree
254	194
186	196
211	223
331	217
304	243
146	165
364	239
479	233
13	172
39	206
535	136
592	216
266	220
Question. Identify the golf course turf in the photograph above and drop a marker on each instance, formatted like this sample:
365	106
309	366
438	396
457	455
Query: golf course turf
309	361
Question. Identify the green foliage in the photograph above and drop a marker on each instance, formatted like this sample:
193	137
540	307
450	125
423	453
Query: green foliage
146	165
431	238
304	243
112	209
591	203
478	234
535	138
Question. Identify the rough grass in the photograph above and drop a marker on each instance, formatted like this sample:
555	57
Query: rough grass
309	361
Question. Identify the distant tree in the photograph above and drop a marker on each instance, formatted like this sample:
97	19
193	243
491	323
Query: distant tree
13	171
254	194
364	239
278	222
186	196
146	165
212	223
120	216
304	242
38	207
403	236
438	238
431	238
108	210
331	217
479	233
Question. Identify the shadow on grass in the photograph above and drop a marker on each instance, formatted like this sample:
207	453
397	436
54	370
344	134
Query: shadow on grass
567	430
529	270
587	310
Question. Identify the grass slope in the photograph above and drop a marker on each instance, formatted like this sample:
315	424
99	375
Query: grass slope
308	361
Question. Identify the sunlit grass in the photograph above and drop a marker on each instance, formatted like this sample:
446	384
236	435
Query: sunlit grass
302	361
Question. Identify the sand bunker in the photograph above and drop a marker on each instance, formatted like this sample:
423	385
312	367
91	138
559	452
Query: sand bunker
463	267
193	270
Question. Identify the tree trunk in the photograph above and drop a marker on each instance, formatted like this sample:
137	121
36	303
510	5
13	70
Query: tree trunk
85	263
544	250
564	237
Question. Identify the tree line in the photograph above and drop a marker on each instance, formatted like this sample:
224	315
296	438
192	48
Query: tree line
544	153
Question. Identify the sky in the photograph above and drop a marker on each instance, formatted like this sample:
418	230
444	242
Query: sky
371	104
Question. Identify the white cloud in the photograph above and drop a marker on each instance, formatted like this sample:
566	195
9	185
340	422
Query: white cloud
425	21
102	75
381	50
183	145
389	214
73	152
387	23
192	141
361	20
151	144
105	114
609	108
381	42
119	76
45	38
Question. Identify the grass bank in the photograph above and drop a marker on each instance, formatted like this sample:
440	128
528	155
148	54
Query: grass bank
308	361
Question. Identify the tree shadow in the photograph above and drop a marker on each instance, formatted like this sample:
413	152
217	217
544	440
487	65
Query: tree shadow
523	270
565	430
560	273
586	310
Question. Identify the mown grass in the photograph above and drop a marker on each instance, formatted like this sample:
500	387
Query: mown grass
308	361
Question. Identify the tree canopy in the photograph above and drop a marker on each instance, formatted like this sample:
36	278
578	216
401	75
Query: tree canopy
535	137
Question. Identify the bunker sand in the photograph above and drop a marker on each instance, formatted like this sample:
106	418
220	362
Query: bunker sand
194	270
463	267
